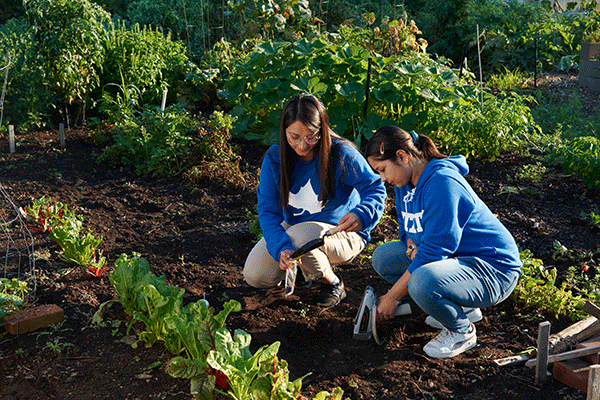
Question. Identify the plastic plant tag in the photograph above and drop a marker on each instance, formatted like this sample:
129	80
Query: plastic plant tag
290	280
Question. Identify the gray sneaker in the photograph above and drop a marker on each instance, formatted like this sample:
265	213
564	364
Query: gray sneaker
474	315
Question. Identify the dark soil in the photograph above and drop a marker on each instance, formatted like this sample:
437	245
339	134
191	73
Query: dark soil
199	238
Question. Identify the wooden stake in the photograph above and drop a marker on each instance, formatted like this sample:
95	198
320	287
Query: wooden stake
61	129
593	389
541	371
11	138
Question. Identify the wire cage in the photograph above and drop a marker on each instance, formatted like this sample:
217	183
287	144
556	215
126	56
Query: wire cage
17	272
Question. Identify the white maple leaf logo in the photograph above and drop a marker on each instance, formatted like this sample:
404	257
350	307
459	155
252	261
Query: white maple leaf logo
305	200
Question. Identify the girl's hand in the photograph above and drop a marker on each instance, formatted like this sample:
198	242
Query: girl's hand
386	307
411	249
350	223
284	260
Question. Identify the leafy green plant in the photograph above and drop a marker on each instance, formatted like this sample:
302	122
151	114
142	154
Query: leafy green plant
269	20
212	158
565	117
46	213
507	80
537	290
76	249
57	347
12	293
593	216
140	63
154	142
530	172
67	38
65	229
592	34
581	155
254	225
488	130
214	360
403	90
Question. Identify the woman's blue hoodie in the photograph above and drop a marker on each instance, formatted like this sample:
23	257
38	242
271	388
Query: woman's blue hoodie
445	218
357	189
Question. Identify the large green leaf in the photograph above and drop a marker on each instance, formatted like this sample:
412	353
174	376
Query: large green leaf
310	85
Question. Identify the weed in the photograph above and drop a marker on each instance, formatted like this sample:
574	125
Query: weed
531	172
57	347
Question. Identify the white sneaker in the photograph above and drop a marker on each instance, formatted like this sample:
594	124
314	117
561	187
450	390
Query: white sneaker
474	315
449	344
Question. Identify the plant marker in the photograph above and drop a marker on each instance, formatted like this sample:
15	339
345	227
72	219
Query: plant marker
11	138
61	129
163	102
203	299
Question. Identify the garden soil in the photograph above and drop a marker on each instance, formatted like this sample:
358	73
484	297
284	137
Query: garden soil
198	237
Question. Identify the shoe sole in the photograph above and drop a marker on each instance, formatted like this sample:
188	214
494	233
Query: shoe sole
468	344
474	315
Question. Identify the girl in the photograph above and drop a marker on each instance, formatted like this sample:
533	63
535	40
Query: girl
311	181
454	256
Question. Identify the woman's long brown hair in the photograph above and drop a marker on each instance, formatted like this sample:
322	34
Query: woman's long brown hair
309	110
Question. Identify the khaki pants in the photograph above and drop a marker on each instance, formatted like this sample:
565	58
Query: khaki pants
262	271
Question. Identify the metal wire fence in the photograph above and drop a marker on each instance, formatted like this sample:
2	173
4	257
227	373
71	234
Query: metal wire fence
18	260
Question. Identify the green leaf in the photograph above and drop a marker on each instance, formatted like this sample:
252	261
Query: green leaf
310	85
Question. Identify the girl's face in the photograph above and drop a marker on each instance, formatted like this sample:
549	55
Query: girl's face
302	140
395	172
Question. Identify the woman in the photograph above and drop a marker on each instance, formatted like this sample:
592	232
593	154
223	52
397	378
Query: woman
311	181
454	256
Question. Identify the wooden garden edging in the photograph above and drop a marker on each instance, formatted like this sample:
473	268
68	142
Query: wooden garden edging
552	349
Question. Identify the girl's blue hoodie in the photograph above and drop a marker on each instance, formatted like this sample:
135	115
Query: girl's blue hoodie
445	218
357	189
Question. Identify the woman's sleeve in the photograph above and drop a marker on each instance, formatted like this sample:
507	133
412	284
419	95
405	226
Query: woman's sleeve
270	213
358	173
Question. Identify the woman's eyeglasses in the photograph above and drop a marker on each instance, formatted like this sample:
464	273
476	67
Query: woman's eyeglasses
309	140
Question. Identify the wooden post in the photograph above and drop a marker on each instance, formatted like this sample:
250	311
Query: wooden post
541	368
61	129
11	138
593	389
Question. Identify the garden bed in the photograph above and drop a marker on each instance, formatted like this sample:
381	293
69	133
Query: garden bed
199	238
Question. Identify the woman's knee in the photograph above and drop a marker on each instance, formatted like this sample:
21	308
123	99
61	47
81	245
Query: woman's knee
255	278
387	259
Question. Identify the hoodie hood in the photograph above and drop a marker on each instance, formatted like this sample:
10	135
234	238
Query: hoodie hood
450	165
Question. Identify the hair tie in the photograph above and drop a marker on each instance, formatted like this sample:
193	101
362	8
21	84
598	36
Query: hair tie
415	136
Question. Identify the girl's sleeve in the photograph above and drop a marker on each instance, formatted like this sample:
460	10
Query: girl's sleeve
270	214
447	209
358	173
399	207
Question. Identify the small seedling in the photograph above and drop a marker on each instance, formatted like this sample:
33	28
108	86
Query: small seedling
57	347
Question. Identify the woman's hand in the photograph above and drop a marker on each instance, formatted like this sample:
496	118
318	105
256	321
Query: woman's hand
386	308
284	260
411	249
350	223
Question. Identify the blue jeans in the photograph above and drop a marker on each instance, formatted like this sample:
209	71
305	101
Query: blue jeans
442	288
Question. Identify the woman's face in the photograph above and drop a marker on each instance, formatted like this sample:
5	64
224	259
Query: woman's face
395	172
302	140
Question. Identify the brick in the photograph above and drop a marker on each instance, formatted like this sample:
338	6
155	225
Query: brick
33	319
591	342
573	372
